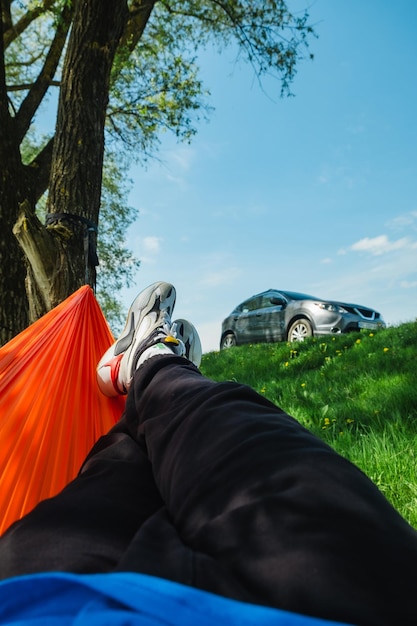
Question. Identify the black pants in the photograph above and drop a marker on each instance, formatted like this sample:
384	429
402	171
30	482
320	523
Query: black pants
211	485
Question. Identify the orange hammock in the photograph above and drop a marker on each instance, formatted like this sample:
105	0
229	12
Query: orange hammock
51	411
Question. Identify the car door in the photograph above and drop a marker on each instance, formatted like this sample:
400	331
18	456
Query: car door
270	321
246	322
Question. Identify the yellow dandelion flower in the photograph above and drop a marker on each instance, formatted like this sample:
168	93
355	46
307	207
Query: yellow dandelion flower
386	349
358	341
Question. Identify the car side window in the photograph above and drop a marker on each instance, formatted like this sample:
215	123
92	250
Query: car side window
266	302
251	305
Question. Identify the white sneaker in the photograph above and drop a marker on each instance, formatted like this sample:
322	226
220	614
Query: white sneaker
148	332
148	322
188	335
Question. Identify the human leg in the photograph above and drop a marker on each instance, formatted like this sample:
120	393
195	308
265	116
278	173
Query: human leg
297	525
88	526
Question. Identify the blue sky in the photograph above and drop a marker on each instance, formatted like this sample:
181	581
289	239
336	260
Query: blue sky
316	193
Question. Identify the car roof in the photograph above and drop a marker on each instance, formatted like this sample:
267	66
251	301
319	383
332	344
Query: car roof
295	295
291	295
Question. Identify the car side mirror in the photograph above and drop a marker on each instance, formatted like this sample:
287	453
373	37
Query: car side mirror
277	301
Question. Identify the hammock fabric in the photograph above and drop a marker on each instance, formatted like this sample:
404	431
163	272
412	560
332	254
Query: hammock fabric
129	599
51	410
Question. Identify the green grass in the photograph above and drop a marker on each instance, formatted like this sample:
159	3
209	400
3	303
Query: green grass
357	392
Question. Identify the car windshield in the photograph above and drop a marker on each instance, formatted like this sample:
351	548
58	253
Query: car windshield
292	295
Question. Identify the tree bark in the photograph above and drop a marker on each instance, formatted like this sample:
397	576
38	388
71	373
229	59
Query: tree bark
13	302
47	259
77	160
41	265
14	311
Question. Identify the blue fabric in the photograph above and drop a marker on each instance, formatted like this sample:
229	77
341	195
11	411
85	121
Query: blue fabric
128	599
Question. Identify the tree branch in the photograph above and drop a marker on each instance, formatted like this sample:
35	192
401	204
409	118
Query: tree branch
12	32
42	250
26	86
6	15
35	96
39	170
139	14
5	120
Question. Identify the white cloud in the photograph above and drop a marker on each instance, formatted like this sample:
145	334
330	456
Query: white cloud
379	245
149	249
182	157
338	174
170	169
404	221
326	261
152	244
176	165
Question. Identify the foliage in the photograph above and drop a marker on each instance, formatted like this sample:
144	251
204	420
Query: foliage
358	392
155	83
154	90
117	263
154	86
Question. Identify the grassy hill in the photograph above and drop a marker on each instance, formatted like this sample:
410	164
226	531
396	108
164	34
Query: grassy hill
358	392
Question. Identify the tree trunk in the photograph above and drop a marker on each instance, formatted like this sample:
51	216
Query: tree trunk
13	301
42	265
61	255
77	161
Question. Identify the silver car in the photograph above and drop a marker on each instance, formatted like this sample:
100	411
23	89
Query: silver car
288	316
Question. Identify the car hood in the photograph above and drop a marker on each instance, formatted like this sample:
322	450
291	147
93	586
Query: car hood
350	304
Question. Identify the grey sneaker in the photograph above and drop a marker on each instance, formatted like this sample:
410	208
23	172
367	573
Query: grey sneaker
148	332
188	336
147	326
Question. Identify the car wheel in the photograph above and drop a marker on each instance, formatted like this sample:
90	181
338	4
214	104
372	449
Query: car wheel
228	341
299	330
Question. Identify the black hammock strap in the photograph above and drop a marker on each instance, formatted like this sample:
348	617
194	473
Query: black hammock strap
90	251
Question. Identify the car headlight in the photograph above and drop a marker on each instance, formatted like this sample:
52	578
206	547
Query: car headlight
333	308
